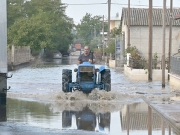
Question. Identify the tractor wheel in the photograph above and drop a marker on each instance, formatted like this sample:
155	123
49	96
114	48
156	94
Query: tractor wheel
106	79
66	79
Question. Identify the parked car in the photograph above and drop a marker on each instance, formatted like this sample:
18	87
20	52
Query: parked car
57	55
65	53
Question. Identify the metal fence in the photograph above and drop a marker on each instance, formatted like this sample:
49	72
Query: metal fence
175	65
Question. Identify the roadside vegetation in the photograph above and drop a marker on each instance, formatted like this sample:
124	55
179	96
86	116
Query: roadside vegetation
43	24
88	33
40	24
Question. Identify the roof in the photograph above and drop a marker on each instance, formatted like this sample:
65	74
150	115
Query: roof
139	16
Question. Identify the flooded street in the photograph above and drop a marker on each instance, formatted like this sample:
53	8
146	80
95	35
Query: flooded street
37	105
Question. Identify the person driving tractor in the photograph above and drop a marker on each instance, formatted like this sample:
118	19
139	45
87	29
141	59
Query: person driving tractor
87	56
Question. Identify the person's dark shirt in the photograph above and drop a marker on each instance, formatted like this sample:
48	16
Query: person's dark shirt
82	58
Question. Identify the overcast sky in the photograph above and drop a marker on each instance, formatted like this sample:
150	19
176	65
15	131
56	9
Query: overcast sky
78	11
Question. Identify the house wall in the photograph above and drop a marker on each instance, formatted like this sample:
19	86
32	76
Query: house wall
114	24
117	23
125	31
3	37
139	37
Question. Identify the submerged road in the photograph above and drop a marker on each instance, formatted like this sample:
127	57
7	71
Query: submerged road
37	105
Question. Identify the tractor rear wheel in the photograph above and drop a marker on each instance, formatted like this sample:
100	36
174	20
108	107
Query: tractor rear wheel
66	79
106	79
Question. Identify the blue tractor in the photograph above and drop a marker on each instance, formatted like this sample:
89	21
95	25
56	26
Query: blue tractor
87	78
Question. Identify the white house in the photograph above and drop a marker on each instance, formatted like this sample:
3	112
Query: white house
139	37
139	30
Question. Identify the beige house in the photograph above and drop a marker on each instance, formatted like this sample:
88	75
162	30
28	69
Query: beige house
115	22
139	30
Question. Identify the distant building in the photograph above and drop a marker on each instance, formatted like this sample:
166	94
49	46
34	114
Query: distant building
115	22
78	47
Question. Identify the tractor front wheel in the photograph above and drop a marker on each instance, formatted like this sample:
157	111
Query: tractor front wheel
106	79
66	79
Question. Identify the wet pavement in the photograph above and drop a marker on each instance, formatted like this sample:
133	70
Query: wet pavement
37	105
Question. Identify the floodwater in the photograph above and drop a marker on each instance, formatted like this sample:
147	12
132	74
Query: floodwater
37	105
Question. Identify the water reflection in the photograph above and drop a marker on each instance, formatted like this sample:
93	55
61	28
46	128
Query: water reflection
63	61
20	110
137	117
131	119
3	113
57	61
86	120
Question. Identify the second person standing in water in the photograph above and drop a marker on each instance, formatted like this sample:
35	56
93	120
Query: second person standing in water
87	56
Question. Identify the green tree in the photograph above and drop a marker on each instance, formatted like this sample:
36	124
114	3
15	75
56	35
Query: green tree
111	47
61	28
32	7
116	31
31	32
94	43
90	27
46	28
14	11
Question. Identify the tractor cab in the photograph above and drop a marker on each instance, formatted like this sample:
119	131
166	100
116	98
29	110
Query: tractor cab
86	76
85	72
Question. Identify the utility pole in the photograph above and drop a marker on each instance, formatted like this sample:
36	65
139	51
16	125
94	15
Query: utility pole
170	37
150	42
128	23
163	43
109	16
103	35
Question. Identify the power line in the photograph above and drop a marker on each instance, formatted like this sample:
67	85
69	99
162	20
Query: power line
133	5
116	6
90	4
